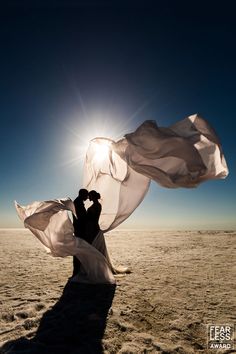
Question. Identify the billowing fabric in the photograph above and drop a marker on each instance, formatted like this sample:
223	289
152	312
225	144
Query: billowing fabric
50	223
121	188
183	155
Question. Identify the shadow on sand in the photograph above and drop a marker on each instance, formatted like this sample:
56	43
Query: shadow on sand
75	325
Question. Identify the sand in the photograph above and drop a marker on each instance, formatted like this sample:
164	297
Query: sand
180	282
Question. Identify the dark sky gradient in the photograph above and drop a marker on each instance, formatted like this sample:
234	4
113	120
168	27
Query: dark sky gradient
67	66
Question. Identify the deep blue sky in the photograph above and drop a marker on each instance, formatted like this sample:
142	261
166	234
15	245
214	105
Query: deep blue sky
71	70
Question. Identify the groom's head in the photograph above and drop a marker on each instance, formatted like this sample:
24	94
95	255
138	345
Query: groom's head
83	194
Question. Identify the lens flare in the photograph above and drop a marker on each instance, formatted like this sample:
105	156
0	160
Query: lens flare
102	150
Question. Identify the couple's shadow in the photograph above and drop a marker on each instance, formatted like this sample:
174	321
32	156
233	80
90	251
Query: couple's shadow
75	324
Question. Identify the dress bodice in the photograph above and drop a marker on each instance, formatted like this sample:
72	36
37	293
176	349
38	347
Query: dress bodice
92	225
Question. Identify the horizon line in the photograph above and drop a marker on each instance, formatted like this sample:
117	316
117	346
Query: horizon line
138	229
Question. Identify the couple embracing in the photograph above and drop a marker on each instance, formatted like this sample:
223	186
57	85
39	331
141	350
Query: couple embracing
85	222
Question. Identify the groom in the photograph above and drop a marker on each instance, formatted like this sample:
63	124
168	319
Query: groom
79	223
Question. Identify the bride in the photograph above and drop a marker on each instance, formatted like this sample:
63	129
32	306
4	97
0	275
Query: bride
92	217
182	155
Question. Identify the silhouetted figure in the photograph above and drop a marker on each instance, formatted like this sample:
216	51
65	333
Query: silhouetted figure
93	214
79	223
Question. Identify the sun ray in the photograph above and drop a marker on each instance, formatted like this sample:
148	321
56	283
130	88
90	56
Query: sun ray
105	124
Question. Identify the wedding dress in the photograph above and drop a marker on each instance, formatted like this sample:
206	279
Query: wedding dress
182	155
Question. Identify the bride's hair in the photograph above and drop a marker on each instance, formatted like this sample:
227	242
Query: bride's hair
95	194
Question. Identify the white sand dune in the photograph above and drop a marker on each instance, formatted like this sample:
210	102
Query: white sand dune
180	282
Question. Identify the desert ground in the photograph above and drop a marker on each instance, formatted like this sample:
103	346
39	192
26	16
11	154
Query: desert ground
180	282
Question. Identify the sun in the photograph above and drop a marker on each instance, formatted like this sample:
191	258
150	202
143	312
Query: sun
101	149
97	128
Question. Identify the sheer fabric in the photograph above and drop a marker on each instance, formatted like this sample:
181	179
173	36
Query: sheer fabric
50	223
183	155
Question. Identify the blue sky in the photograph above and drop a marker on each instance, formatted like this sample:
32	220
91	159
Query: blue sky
71	71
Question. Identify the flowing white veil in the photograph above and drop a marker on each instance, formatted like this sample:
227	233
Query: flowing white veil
182	155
